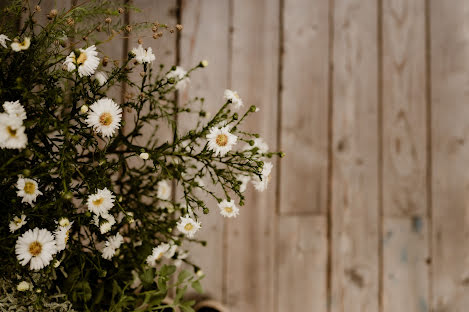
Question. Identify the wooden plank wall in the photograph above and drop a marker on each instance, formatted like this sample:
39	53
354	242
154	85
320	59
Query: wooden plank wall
369	101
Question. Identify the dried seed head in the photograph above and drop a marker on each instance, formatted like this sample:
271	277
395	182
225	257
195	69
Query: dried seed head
37	8
99	28
179	27
108	20
120	10
105	60
70	21
156	24
155	36
116	63
53	13
128	28
160	34
139	41
154	28
171	30
85	38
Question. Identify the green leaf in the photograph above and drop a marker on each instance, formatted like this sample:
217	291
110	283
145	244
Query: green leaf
197	287
147	277
167	270
183	275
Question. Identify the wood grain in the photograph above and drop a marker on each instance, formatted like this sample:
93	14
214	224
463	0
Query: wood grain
450	154
205	37
354	276
249	279
301	263
405	267
304	111
404	108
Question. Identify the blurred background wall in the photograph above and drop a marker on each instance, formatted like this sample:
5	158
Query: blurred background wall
369	99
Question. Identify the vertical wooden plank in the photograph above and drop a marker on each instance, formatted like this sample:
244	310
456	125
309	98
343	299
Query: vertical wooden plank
354	202
404	108
205	36
304	99
249	279
404	186
449	30
405	274
301	263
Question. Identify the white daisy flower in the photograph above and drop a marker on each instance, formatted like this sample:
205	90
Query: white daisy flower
261	184
143	55
19	46
28	190
36	247
188	226
101	202
233	96
244	179
3	40
23	286
101	77
12	134
164	190
171	251
220	140
111	245
17	223
15	109
105	227
228	208
179	75
105	117
87	61
62	234
157	253
261	145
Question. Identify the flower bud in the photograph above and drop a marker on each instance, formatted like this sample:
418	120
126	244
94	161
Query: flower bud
84	109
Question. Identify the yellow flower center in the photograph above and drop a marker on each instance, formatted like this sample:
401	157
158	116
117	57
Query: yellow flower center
159	256
29	188
229	209
11	131
188	227
35	248
105	119
222	140
98	201
82	58
17	220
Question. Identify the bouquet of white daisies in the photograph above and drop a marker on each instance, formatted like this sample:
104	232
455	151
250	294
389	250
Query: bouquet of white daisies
96	204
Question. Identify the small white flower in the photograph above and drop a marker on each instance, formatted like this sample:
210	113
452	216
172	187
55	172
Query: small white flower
233	96
188	226
23	286
164	190
62	234
244	179
12	134
101	77
36	247
144	156
56	263
84	109
179	75
228	209
3	40
64	222
101	202
17	223
27	189
19	46
157	253
105	117
111	245
15	109
171	251
261	184
105	227
143	55
87	61
220	140
204	63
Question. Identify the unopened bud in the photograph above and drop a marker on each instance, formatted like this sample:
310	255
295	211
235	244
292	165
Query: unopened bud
204	63
70	21
120	10
179	27
108	20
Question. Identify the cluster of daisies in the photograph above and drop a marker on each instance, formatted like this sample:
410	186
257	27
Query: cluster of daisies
38	247
16	45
